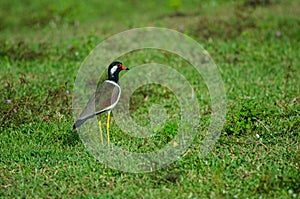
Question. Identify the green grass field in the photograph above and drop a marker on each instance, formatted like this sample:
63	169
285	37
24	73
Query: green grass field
255	44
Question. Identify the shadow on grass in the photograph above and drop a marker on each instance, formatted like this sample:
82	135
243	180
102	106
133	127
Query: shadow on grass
70	138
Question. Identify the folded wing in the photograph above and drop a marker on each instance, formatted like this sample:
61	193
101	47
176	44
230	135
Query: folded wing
104	99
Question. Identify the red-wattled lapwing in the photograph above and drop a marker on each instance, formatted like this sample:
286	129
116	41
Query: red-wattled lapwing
104	99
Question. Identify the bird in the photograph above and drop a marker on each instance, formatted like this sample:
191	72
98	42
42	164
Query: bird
104	99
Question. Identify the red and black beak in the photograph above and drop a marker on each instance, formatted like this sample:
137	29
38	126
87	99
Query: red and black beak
123	67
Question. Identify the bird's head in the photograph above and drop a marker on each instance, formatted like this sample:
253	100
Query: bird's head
114	69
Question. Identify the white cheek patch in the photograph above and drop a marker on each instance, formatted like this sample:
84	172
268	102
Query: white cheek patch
113	69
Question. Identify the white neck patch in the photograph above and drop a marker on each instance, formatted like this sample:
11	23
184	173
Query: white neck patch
113	70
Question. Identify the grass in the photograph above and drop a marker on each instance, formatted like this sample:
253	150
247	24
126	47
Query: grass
255	45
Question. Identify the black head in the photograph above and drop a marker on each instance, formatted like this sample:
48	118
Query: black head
114	69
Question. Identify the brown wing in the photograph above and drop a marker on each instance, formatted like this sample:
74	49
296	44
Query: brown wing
107	96
104	99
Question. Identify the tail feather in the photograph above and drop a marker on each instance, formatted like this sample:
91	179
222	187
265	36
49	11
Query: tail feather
79	122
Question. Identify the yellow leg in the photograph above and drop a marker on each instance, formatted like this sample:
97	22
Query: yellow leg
107	128
101	134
